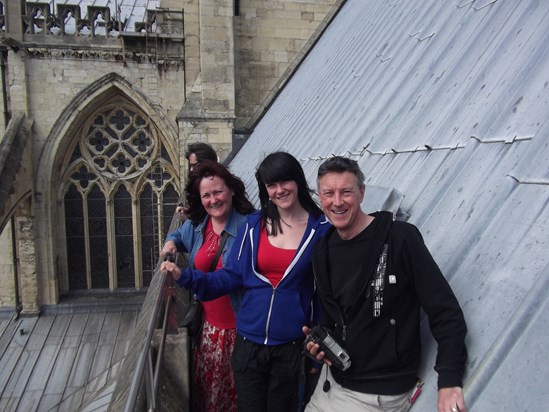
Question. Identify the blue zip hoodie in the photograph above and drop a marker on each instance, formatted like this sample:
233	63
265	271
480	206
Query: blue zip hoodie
268	315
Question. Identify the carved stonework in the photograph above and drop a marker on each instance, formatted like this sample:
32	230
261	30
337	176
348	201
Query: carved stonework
110	55
67	19
43	18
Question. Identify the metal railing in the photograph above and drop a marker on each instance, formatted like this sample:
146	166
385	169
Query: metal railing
137	384
145	368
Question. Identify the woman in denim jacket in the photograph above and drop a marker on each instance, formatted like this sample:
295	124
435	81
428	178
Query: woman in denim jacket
217	204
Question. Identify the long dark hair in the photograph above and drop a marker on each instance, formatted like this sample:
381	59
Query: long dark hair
279	167
195	211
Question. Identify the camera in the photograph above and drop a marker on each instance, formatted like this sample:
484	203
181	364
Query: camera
332	350
169	257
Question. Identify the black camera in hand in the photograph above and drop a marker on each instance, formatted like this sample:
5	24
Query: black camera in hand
169	257
333	351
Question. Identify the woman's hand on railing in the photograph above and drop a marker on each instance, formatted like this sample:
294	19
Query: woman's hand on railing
169	247
172	269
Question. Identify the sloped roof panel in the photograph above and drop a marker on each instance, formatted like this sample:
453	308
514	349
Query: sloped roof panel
388	90
447	104
67	356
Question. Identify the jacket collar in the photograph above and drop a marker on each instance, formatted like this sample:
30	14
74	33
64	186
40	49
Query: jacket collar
231	227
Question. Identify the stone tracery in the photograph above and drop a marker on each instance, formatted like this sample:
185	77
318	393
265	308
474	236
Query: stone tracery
119	176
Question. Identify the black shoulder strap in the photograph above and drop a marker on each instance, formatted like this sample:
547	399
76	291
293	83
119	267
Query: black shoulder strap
222	242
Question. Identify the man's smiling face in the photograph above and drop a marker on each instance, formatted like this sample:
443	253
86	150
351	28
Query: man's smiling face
341	197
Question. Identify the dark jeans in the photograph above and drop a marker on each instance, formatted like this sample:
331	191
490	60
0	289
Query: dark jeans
266	377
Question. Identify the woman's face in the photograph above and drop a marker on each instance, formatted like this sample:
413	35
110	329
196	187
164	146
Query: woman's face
216	197
283	194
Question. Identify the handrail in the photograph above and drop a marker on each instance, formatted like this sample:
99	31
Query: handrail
128	393
144	364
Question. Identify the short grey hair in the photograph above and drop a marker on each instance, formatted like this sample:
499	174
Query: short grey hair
340	164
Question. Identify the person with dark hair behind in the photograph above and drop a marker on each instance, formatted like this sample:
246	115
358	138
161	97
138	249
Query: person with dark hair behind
217	205
271	260
198	152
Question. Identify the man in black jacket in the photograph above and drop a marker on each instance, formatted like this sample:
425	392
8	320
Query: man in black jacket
373	276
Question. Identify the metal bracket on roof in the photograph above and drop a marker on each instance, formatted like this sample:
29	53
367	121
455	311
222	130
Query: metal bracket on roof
466	4
423	148
422	38
356	153
381	59
486	5
517	138
529	181
506	140
426	37
363	150
353	154
415	149
457	146
374	153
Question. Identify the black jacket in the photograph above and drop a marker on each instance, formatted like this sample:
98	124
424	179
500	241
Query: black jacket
385	350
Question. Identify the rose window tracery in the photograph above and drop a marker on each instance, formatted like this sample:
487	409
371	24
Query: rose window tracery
120	143
102	215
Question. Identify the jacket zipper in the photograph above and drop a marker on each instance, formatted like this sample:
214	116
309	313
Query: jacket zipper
343	325
269	317
288	269
243	241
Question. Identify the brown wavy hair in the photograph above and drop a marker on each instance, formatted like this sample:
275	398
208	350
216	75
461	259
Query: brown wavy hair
195	211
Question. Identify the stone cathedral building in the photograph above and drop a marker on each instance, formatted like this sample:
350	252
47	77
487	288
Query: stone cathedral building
99	101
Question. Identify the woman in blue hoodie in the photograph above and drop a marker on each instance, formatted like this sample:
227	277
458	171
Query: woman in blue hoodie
271	261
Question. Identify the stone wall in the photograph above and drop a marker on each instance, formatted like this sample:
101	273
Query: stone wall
270	36
27	264
53	81
7	280
209	110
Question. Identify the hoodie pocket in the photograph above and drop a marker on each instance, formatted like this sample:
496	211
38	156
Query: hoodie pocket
394	337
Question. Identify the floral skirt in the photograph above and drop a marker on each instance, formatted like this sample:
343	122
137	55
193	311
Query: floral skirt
213	382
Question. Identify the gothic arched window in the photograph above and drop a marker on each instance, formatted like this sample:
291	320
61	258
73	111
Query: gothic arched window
119	190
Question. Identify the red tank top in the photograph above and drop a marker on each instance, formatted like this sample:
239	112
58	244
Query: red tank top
272	261
218	312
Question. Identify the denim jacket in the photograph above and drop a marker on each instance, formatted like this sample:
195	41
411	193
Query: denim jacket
189	238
